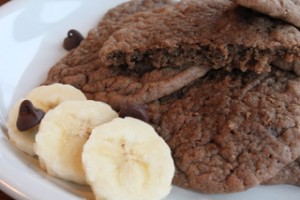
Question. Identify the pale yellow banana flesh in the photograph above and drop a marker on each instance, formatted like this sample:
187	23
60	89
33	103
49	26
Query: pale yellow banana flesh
62	134
122	159
126	159
45	98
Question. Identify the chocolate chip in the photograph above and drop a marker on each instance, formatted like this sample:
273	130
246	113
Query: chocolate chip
142	68
73	40
29	116
135	111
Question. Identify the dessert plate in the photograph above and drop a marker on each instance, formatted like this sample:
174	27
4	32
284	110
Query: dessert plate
31	35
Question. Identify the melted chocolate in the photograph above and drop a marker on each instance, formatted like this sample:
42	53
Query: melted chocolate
135	111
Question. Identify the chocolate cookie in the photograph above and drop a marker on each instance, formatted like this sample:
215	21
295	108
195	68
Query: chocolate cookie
231	131
288	175
287	10
84	70
206	33
88	50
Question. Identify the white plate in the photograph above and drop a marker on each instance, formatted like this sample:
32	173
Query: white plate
31	34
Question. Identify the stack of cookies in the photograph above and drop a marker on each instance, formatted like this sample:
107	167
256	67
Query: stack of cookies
217	79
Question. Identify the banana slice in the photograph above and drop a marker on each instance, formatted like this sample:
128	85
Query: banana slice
49	96
126	159
62	134
44	98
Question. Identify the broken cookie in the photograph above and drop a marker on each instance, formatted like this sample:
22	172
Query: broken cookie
204	33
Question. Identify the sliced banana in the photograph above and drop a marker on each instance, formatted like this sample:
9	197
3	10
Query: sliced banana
126	159
62	134
49	96
45	98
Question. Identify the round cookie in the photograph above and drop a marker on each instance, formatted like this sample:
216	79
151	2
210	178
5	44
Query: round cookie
83	69
231	131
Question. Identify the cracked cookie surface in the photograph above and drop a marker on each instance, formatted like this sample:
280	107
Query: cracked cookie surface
231	131
83	68
206	33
